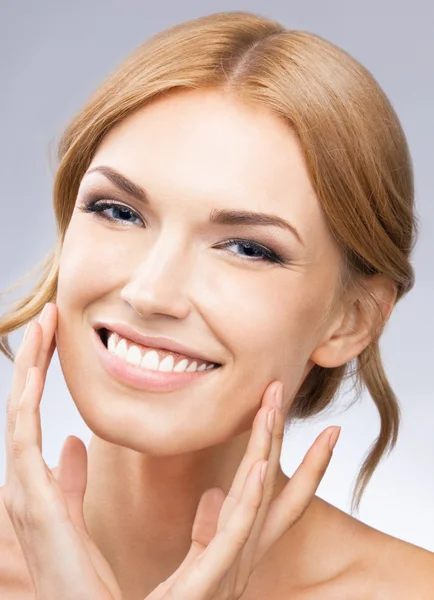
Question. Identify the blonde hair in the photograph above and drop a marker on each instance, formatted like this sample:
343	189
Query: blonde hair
355	150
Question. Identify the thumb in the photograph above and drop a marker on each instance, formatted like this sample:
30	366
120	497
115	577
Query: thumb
71	476
203	531
207	516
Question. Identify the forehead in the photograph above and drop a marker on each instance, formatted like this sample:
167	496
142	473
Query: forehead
208	147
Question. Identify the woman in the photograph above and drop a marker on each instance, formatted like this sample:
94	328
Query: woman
234	205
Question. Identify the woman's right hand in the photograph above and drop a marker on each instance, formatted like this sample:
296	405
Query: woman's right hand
46	511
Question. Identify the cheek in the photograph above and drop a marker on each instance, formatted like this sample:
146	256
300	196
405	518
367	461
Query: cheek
91	264
272	323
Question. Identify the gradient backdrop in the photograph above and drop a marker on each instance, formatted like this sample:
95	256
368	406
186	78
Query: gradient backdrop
52	57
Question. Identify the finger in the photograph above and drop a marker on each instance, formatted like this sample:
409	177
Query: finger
258	448
206	520
71	476
27	464
48	323
58	555
36	350
208	571
293	501
25	358
276	436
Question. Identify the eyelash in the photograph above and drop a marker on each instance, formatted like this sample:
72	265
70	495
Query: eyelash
98	206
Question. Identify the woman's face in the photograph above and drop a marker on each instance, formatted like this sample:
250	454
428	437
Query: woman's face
164	269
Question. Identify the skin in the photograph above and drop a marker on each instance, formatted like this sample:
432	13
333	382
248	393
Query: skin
153	455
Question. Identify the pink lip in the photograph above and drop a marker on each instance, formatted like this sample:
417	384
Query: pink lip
143	379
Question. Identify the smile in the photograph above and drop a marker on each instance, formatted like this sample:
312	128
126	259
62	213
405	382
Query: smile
144	368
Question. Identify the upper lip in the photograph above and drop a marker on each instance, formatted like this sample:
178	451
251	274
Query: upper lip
161	343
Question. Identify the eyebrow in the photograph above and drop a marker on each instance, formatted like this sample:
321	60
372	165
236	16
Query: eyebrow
217	216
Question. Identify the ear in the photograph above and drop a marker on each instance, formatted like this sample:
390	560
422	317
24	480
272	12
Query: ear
362	314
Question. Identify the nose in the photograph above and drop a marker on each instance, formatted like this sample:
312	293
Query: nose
158	286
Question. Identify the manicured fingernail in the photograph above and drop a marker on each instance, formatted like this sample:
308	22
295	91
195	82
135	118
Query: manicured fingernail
279	397
270	420
27	330
41	316
264	471
334	437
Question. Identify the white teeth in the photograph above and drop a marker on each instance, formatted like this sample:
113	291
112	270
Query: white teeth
121	349
150	360
181	366
166	364
134	356
112	342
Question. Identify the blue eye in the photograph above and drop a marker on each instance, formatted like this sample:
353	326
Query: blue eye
254	252
101	206
252	249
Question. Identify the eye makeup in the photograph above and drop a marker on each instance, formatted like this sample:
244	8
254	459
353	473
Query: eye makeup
255	251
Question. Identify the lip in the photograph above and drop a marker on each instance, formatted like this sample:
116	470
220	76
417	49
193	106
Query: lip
144	379
160	343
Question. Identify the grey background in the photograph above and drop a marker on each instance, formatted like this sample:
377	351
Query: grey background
53	54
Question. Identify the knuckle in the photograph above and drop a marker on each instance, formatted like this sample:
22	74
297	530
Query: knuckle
23	516
253	504
240	588
8	498
18	447
238	538
10	419
279	435
15	507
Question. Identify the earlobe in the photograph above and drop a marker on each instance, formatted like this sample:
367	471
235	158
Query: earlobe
344	343
362	318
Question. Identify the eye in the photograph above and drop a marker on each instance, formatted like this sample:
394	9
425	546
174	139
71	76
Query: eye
120	214
254	251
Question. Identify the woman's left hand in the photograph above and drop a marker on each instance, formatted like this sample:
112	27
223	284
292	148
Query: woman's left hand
230	533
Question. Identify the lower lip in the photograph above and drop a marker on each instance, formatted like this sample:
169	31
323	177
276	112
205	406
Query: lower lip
144	379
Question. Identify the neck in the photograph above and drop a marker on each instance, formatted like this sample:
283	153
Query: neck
139	509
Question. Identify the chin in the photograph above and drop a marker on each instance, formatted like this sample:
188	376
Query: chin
157	436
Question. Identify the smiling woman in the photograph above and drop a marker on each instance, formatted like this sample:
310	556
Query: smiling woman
235	212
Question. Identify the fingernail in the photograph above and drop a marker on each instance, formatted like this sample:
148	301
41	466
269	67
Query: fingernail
27	330
279	397
41	316
334	437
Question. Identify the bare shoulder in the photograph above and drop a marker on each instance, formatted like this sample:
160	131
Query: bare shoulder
400	570
384	567
330	555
